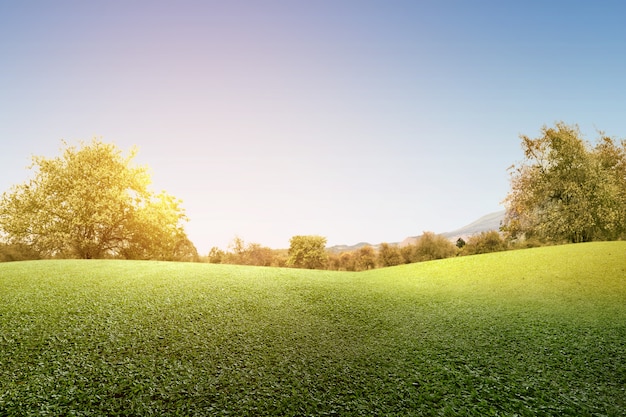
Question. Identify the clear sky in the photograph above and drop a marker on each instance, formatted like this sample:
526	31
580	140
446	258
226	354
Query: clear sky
355	120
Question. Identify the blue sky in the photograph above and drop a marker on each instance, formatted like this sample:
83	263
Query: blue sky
355	120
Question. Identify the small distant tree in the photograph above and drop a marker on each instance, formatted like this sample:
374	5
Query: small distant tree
364	258
431	246
279	258
409	254
485	242
346	261
216	255
332	262
460	242
242	253
259	255
237	254
307	251
389	255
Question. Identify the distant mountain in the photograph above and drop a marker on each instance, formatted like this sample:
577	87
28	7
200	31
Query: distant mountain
349	248
489	222
486	223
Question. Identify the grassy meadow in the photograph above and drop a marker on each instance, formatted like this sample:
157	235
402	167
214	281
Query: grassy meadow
531	332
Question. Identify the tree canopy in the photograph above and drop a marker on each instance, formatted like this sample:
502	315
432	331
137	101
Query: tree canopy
307	252
568	190
92	202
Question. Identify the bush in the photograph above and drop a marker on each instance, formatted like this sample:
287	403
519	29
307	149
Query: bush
408	253
389	255
431	246
9	253
307	252
485	242
527	243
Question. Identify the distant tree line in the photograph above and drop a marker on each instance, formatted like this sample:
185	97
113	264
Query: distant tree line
565	190
428	247
310	252
91	202
241	253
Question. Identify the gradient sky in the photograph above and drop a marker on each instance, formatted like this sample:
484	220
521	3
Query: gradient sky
355	120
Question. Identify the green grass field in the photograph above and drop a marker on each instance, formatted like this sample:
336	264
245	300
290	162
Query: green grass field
532	332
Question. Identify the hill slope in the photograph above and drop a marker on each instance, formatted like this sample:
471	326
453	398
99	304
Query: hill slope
489	222
530	332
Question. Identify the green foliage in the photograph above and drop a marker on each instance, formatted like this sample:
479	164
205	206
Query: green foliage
389	255
485	242
428	247
307	252
566	190
364	258
157	232
431	246
247	254
409	254
216	255
92	203
16	252
361	259
532	332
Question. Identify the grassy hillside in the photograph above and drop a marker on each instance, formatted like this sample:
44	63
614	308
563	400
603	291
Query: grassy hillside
533	332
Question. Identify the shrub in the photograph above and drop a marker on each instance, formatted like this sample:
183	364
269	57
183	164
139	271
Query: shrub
16	252
485	242
389	255
431	246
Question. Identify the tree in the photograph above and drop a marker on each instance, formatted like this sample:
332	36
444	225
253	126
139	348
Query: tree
485	242
307	252
247	254
409	254
259	255
364	258
157	232
216	255
431	246
343	261
567	190
389	255
91	202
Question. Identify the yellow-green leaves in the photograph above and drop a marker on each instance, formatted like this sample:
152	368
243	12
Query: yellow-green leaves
307	252
93	202
567	190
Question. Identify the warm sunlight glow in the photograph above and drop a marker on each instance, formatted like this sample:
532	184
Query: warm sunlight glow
355	122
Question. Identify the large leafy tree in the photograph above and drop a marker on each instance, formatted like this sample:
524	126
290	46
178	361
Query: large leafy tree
568	190
92	202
